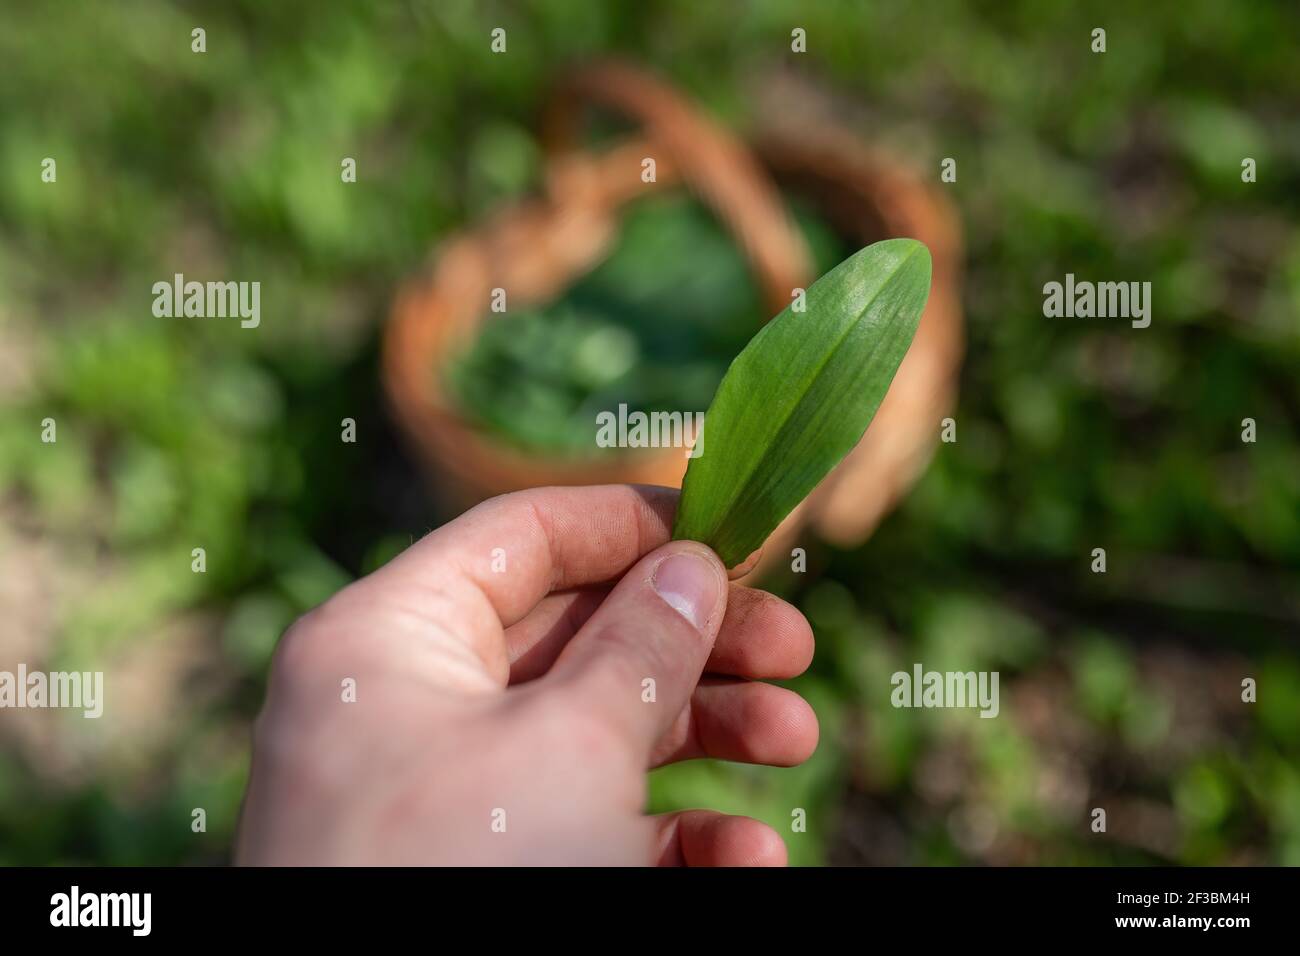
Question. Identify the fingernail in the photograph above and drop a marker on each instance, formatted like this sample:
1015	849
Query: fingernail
689	583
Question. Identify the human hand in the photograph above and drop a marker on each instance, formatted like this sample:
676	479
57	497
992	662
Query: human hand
500	711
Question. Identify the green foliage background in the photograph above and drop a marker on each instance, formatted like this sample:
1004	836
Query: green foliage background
1119	690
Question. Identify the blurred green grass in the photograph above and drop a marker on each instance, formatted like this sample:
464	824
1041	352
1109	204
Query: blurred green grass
1119	690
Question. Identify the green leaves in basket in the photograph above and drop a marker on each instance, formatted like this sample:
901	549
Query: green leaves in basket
800	395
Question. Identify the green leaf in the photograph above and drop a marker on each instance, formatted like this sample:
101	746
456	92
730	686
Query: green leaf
800	396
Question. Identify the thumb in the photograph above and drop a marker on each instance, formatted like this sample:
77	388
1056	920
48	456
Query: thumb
636	661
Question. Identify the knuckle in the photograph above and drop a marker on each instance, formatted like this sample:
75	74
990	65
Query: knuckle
296	653
304	649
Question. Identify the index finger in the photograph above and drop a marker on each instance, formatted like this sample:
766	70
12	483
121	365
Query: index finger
513	550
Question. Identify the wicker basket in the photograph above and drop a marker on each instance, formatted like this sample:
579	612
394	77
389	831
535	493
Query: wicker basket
537	249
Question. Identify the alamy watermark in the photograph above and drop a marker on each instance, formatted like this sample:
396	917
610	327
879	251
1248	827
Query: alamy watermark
922	688
1102	300
74	908
211	300
56	689
651	430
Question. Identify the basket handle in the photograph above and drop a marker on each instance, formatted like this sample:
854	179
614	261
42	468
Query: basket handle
716	166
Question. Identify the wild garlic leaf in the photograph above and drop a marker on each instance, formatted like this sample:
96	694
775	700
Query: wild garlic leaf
799	397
